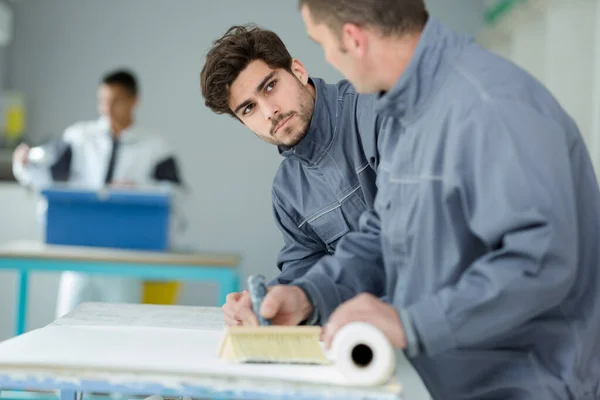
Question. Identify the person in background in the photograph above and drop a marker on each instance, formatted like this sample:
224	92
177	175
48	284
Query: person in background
326	134
109	151
484	234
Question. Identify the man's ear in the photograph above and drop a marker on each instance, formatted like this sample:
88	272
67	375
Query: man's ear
299	71
354	39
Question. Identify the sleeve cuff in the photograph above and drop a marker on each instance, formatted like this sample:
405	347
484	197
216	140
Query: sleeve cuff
431	326
413	348
313	318
322	293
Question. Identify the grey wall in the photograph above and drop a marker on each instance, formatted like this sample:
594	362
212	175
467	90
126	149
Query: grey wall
465	16
62	47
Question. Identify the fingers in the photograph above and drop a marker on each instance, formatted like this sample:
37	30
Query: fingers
230	308
20	154
369	309
243	311
350	311
233	297
336	322
230	321
285	305
24	154
274	300
230	302
237	309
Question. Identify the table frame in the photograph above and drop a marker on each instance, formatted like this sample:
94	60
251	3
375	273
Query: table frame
35	257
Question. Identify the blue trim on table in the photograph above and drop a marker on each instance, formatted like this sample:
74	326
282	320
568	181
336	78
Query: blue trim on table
234	391
226	278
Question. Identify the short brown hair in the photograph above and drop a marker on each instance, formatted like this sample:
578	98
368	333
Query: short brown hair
231	54
389	16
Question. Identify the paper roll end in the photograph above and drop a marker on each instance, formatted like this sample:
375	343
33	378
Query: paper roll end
363	355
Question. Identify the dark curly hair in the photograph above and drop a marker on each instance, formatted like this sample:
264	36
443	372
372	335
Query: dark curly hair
231	54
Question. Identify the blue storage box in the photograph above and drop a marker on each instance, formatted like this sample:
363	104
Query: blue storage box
118	218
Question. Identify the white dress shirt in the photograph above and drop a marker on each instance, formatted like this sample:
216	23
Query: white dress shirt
81	158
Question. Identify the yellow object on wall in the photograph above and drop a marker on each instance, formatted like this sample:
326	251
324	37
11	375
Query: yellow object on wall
160	292
15	121
12	115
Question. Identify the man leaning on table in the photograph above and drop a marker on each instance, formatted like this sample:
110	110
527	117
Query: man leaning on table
484	234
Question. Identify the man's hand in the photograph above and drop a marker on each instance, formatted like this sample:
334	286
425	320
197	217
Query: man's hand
21	154
234	303
286	305
367	308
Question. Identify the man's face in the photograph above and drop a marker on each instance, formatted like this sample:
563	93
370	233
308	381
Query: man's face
116	104
349	61
275	104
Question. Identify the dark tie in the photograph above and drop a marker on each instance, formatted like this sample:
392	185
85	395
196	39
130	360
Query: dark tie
113	157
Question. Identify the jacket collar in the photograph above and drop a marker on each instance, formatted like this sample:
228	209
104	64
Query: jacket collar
322	128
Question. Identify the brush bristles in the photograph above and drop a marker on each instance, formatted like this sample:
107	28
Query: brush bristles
276	344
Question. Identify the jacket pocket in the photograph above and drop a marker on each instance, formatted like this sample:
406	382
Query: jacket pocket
329	225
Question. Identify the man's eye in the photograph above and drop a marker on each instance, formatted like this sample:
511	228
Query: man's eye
271	86
248	108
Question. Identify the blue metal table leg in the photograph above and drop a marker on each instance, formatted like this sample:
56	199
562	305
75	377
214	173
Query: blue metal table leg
68	394
228	283
21	315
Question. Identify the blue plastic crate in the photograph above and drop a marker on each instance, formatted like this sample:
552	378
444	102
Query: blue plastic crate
124	219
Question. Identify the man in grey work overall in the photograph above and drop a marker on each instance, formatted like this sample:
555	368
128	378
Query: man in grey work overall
326	134
484	235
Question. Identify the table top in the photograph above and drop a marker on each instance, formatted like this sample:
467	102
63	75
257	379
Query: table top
168	350
39	250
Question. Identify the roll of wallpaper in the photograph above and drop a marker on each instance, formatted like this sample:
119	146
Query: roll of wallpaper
363	354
